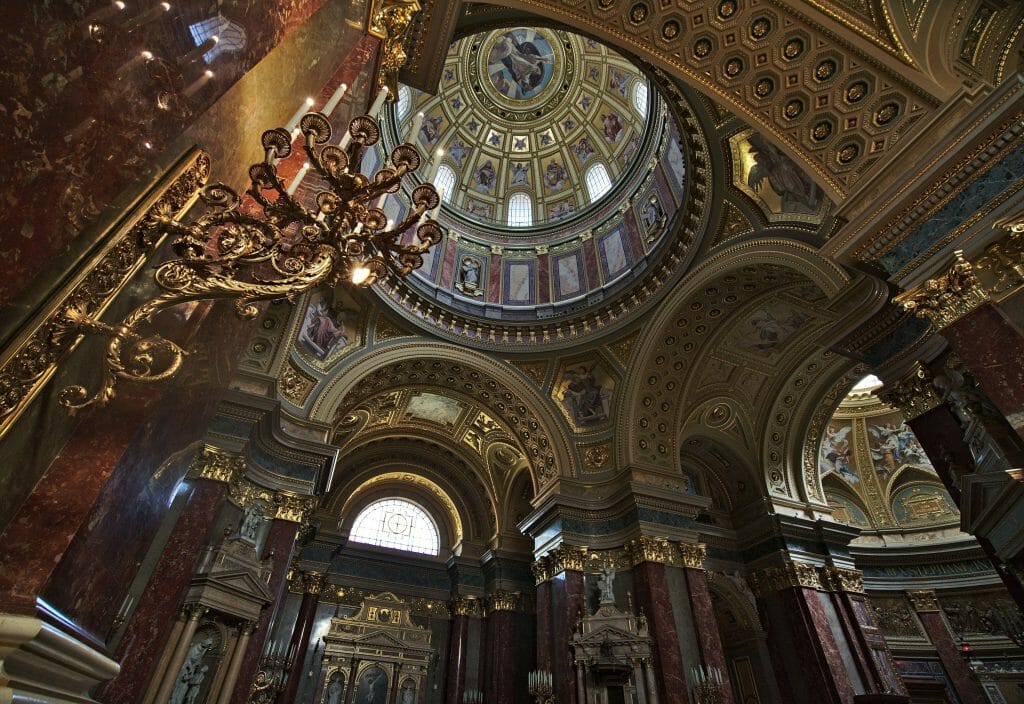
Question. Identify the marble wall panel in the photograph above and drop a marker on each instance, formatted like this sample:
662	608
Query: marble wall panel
86	113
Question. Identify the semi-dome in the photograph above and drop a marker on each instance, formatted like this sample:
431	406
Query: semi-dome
561	168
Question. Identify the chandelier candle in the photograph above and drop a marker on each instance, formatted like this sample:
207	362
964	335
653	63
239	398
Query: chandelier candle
332	103
378	102
417	123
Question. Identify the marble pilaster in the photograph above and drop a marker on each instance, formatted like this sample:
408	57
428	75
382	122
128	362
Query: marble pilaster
935	627
280	543
458	656
499	686
299	643
567	598
708	638
654	599
544	626
154	616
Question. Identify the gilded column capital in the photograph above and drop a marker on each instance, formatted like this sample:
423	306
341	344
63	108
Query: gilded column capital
693	555
924	600
294	508
502	601
948	297
192	612
541	572
567	558
465	605
246	628
647	549
1001	266
913	393
839	579
216	465
787	576
313	582
389	21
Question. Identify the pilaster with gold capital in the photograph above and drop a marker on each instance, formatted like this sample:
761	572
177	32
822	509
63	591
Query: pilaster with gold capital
840	579
649	549
502	601
464	605
788	575
924	600
946	298
312	582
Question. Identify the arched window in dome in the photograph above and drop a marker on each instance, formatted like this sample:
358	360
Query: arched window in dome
398	524
640	97
520	210
404	101
230	36
598	181
444	182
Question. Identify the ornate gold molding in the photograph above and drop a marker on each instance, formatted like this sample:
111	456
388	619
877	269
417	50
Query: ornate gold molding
219	466
913	393
838	579
693	555
1000	268
313	582
502	601
389	21
31	360
924	600
946	298
464	605
561	559
791	574
646	549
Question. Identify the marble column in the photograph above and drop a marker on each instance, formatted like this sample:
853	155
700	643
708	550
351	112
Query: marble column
650	686
991	348
805	655
543	623
458	658
708	638
868	646
154	616
566	601
963	680
239	654
312	584
279	545
656	604
499	686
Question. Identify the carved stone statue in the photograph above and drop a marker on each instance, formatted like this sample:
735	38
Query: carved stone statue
191	675
604	586
335	688
251	522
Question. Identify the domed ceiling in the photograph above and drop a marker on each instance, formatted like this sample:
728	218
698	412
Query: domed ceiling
562	171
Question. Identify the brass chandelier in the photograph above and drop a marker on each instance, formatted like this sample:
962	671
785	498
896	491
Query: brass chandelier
233	252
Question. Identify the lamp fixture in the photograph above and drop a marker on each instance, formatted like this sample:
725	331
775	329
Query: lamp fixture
233	252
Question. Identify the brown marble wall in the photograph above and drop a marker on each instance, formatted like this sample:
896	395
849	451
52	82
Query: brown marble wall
280	545
653	597
991	347
151	622
84	113
708	637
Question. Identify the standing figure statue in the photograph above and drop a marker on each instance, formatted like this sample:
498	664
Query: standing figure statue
604	586
191	675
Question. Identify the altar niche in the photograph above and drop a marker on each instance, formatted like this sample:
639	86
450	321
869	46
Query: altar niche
377	656
612	653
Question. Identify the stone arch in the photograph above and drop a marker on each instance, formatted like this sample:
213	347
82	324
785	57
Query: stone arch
733	482
424	468
659	368
661	35
504	391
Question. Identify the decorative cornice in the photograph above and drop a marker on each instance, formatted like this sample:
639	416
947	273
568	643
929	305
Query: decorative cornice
838	579
913	393
924	600
219	466
948	297
502	601
463	605
312	582
787	576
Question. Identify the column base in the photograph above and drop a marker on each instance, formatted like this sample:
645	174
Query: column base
39	663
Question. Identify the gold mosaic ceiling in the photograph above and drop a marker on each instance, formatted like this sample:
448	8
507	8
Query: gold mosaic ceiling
529	110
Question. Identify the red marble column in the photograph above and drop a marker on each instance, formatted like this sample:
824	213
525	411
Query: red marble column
653	597
963	681
804	652
280	543
708	639
499	687
150	624
455	680
544	626
567	601
992	347
299	644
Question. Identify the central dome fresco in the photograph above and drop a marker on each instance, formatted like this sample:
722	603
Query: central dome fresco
561	171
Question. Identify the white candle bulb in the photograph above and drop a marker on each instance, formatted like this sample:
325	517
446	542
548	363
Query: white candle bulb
294	185
435	165
378	103
335	99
